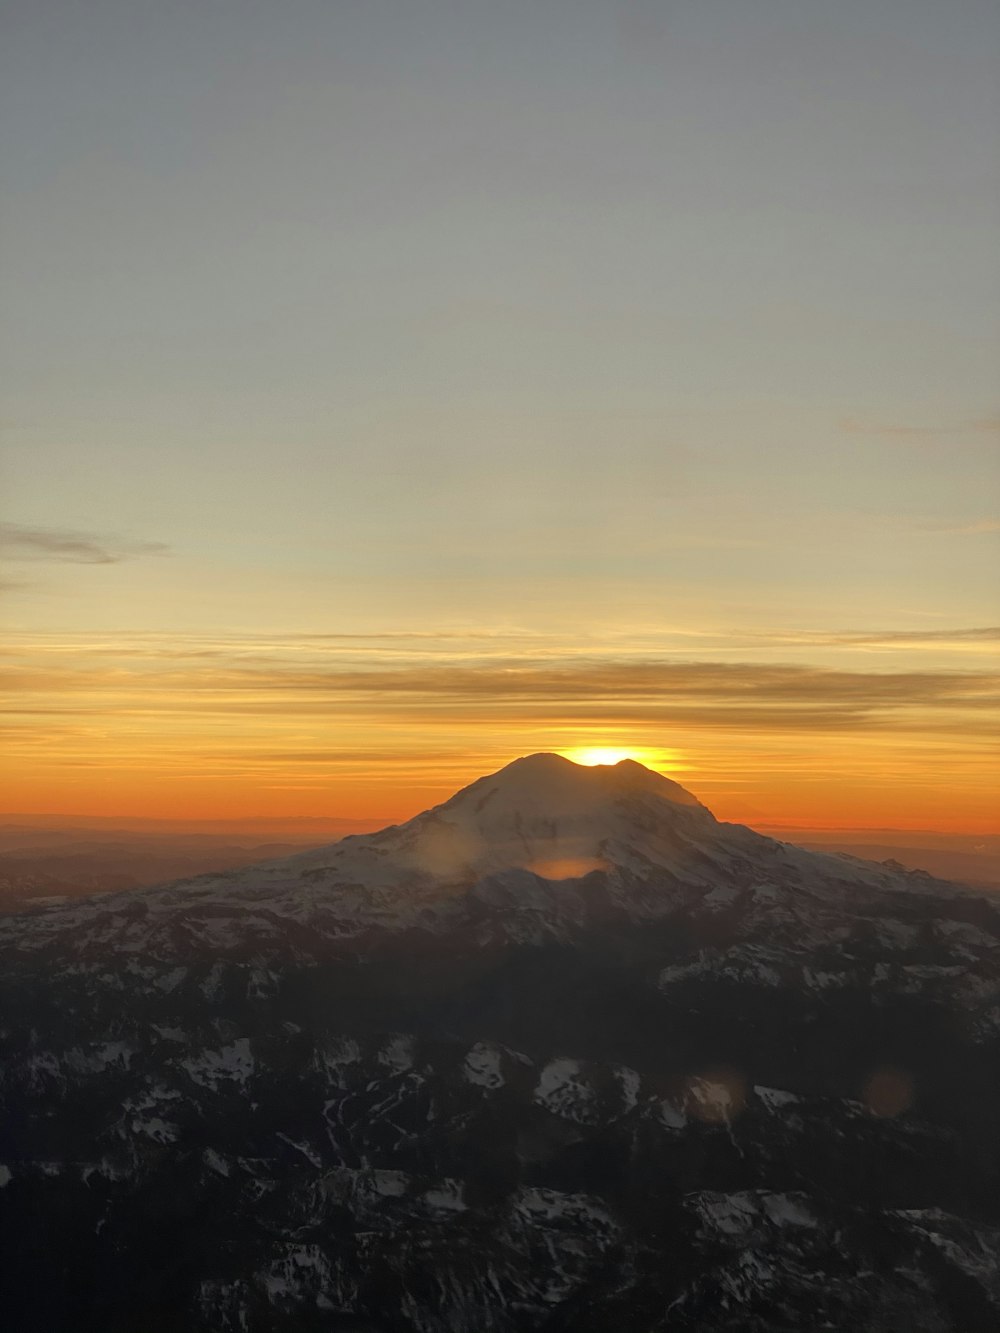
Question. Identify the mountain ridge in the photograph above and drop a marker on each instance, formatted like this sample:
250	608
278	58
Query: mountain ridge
549	845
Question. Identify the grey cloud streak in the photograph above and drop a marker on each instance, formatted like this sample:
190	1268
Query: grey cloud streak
67	545
900	430
862	638
977	528
697	692
602	680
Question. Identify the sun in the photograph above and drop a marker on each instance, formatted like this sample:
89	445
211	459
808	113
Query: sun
591	755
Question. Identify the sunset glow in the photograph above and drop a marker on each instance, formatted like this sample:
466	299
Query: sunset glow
498	396
378	727
592	756
500	665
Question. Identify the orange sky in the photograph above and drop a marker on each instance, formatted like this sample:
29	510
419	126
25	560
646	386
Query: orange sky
399	389
379	727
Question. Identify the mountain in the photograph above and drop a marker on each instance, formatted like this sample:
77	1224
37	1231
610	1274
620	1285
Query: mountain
564	1052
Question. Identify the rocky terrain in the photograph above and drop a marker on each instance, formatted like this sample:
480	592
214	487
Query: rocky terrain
564	1053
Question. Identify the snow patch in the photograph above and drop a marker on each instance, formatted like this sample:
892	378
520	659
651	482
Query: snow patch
215	1161
301	1270
787	1210
304	1148
740	1213
672	1116
629	1082
389	1184
446	1197
169	981
155	1128
95	1059
965	937
972	1250
774	1098
397	1053
482	1066
230	1064
816	980
552	1208
721	897
894	934
211	987
563	1090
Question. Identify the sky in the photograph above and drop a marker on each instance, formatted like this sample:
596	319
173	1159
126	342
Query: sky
394	387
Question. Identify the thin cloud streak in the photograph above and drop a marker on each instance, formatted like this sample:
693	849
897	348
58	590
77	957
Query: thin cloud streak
906	430
978	528
473	646
876	638
602	682
67	545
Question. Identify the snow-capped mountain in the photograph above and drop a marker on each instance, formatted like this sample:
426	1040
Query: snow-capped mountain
564	1052
551	842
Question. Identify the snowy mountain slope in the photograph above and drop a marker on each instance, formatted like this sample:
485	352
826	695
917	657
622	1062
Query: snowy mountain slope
563	1053
523	838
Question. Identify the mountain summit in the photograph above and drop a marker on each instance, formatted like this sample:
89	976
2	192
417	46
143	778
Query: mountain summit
541	813
549	783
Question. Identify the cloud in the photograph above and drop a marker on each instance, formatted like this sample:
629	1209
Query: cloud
606	681
19	542
973	529
886	638
903	430
155	709
696	693
15	585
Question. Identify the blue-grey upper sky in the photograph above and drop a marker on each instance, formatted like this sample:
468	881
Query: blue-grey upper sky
394	308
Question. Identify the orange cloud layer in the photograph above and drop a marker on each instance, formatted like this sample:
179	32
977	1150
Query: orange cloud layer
380	729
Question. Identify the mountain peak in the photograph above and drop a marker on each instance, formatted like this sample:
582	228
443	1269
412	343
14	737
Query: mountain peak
541	812
546	779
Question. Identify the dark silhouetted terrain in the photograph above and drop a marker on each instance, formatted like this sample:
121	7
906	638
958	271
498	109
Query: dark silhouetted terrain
564	1053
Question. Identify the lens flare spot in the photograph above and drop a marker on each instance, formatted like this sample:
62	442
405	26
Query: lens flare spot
888	1093
566	867
717	1096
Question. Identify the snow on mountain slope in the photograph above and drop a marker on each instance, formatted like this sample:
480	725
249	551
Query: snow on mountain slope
525	843
558	820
